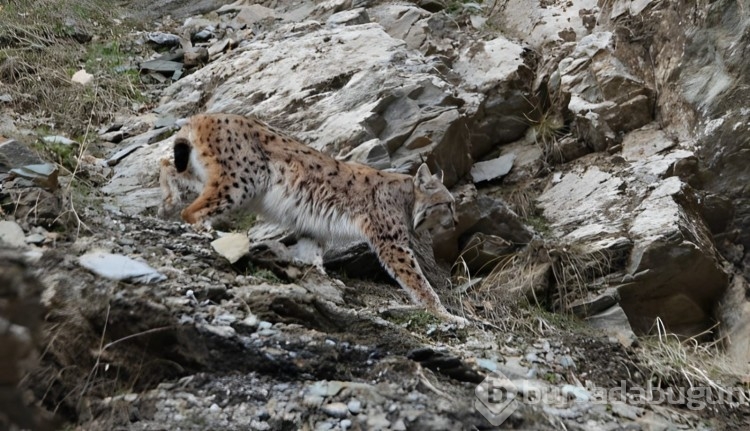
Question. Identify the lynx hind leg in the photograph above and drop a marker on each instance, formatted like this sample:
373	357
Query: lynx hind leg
170	191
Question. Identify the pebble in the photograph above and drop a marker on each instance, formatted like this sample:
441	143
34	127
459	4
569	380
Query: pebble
577	392
337	410
345	424
354	406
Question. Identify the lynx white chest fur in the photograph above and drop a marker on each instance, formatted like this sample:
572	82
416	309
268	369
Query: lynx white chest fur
236	162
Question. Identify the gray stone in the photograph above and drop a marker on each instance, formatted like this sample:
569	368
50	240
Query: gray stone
195	56
132	144
248	14
14	154
118	267
350	17
614	322
370	153
678	273
11	234
354	406
645	142
337	410
589	306
43	175
492	169
161	66
164	39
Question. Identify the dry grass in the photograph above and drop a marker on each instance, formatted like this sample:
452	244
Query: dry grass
683	364
43	42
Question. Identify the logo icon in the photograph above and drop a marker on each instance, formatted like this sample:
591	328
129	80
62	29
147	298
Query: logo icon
496	398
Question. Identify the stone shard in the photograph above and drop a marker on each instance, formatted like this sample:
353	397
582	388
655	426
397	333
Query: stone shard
232	246
118	267
492	169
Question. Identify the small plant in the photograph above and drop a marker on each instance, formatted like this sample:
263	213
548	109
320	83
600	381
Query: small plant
415	319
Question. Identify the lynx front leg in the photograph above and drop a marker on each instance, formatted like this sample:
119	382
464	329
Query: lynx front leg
400	262
213	200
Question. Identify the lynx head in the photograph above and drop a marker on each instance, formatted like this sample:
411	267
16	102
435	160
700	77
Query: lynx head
434	206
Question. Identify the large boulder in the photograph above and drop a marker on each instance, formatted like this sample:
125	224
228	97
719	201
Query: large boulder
670	264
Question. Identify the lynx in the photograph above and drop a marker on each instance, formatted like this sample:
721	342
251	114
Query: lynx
239	163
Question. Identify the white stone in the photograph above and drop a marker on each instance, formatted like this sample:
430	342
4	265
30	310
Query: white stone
82	77
11	234
232	246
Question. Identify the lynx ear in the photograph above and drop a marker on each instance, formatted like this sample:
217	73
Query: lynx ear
440	176
423	175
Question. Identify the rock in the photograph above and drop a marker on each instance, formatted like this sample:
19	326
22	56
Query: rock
356	261
82	77
232	246
603	80
337	410
498	70
595	132
483	252
120	268
370	153
115	136
60	140
642	143
541	27
614	322
492	169
403	22
11	234
161	66
570	148
248	14
32	204
14	154
195	56
678	275
164	39
354	406
6	98
43	175
442	143
482	214
21	318
584	199
349	17
590	306
132	144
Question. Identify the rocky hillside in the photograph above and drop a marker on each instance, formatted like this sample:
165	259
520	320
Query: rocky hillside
597	152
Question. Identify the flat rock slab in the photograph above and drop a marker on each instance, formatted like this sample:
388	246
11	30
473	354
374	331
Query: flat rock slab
120	268
645	142
14	154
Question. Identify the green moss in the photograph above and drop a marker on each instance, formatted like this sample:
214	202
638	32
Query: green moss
415	319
